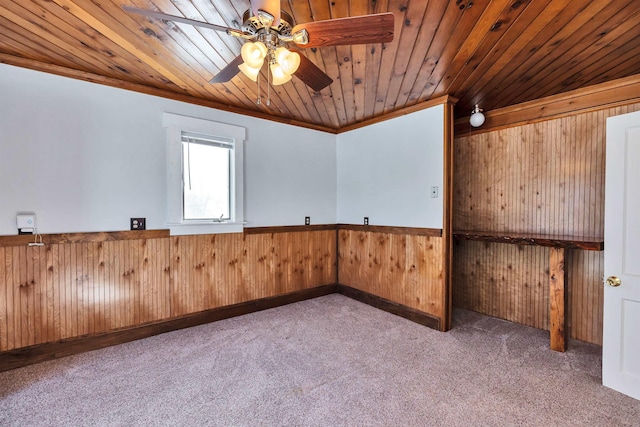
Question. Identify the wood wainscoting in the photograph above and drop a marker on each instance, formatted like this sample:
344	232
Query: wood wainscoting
211	271
403	265
81	284
540	178
85	291
90	283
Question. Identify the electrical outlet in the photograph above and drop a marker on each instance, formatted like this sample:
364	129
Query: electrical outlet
434	192
307	220
138	223
366	220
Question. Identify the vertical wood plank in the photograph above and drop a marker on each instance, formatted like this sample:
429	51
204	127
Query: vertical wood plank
167	277
546	178
55	272
4	324
19	307
118	283
89	285
176	276
49	295
557	299
108	299
76	314
40	325
403	268
135	249
139	249
10	301
67	290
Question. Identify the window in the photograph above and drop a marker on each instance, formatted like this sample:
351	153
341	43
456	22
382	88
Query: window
205	175
206	181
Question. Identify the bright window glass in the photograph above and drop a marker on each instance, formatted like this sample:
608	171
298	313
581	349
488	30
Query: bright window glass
206	181
205	176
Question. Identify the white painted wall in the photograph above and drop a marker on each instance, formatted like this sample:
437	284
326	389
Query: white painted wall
385	171
86	157
293	174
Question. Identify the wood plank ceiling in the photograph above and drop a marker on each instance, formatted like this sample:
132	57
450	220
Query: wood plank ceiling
492	52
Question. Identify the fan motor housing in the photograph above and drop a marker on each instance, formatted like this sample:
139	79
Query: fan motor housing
253	24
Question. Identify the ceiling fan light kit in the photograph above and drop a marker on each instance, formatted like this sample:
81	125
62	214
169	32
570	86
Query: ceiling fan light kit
289	61
282	62
251	72
267	30
278	75
253	54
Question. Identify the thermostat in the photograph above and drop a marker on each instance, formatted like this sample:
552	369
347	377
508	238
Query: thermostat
26	223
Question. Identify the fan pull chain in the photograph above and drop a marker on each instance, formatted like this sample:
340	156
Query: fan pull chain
268	87
258	80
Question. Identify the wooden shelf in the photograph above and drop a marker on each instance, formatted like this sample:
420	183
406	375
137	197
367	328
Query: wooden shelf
557	271
554	241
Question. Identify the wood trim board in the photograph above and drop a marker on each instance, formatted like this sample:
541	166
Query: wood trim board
615	93
446	99
391	307
91	237
49	351
141	88
447	218
288	228
94	237
25	356
411	231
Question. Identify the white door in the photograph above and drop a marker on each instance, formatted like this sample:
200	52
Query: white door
621	341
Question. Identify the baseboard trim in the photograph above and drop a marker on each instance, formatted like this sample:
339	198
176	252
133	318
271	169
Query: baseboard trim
390	306
25	356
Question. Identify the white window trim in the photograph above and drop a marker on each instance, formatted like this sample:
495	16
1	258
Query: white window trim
174	125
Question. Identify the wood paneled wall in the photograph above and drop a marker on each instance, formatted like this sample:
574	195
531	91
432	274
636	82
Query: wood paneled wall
211	271
66	290
548	178
404	268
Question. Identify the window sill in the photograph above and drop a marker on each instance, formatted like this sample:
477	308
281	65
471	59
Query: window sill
205	228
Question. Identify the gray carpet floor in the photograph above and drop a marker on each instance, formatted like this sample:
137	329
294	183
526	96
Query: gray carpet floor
330	361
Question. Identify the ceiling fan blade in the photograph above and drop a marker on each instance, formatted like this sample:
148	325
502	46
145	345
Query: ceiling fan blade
272	7
166	17
311	75
377	28
228	72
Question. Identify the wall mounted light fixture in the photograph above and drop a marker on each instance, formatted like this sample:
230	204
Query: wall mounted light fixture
477	118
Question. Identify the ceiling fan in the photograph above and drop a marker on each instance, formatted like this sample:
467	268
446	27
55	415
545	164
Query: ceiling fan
267	32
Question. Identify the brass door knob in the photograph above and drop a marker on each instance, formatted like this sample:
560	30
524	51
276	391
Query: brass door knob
614	281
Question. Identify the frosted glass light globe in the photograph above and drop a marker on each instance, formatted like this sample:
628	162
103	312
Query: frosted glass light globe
477	118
